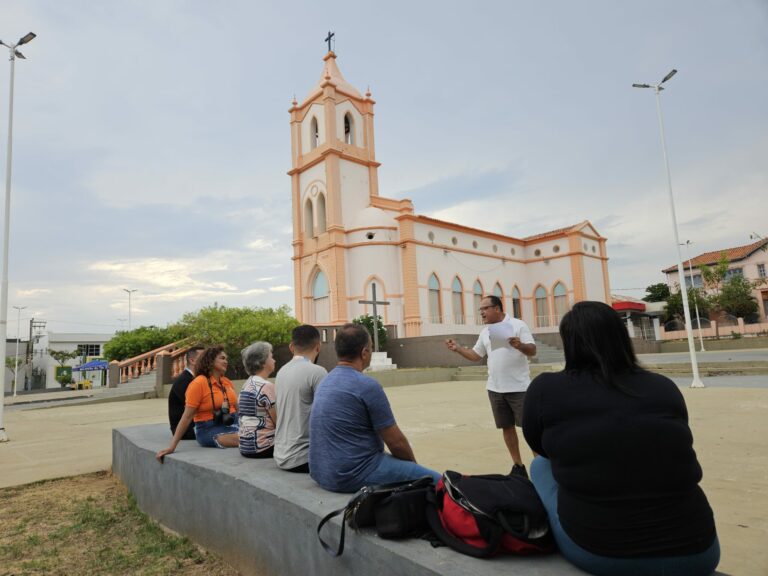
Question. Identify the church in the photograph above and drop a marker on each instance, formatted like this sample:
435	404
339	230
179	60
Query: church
347	238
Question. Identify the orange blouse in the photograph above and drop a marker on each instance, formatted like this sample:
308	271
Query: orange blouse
199	396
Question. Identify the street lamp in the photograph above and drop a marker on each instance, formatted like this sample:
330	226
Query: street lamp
695	299
16	368
4	282
657	88
129	304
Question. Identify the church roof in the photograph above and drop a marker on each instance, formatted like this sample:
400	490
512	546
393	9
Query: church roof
733	255
560	231
332	74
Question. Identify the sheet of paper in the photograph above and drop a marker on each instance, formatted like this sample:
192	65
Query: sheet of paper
500	334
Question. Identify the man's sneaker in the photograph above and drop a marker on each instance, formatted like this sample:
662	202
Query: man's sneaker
519	470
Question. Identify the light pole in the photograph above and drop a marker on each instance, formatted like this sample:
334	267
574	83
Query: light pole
122	326
16	366
4	282
129	305
695	299
657	88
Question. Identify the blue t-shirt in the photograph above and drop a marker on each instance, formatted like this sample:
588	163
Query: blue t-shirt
345	447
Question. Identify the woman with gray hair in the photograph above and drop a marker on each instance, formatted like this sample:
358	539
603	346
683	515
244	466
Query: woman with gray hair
256	405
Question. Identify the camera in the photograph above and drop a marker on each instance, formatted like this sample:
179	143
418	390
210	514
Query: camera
223	417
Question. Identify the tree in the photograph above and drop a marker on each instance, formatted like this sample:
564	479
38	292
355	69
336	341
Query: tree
132	343
713	277
10	364
63	356
736	297
674	307
236	328
656	292
367	321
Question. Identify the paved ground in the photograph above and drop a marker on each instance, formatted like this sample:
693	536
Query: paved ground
753	355
450	427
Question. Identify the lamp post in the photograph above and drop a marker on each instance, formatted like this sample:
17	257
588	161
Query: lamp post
657	88
16	365
695	299
129	305
4	282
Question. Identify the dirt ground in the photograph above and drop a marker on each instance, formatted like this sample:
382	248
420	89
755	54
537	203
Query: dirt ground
88	525
451	427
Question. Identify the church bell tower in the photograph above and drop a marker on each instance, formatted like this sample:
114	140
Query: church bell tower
333	177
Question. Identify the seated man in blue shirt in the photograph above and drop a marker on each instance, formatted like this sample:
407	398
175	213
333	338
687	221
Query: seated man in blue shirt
351	421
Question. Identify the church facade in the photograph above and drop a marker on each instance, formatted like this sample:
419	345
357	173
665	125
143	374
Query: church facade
346	238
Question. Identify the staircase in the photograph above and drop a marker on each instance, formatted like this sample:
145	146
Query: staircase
141	387
547	359
546	354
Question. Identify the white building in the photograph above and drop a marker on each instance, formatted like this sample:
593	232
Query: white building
90	346
347	237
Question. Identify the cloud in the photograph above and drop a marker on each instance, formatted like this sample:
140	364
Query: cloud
32	292
283	288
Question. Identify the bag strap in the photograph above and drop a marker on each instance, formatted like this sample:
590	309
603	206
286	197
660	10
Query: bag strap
457	544
340	549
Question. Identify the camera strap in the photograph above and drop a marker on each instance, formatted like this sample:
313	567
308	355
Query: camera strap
223	391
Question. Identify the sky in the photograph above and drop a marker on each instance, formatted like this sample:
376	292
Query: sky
151	137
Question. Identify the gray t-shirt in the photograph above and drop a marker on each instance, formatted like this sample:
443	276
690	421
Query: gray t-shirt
295	386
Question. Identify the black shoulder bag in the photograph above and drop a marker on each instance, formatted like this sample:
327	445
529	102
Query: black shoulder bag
398	510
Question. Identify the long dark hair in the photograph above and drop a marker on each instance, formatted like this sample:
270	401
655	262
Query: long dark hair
595	340
205	361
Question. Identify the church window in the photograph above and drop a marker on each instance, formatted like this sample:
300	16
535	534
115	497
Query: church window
497	291
435	311
454	240
321	309
457	301
495	248
517	311
585	247
542	307
477	297
308	219
537	252
512	251
561	301
320	213
431	236
474	243
314	134
593	249
556	249
349	129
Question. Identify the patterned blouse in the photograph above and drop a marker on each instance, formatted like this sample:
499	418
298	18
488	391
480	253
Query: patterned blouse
257	429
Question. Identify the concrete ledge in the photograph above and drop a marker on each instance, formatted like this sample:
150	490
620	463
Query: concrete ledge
263	520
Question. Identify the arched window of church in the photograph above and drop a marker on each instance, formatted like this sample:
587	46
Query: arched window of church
314	134
435	310
517	311
477	297
349	129
309	229
561	301
542	307
457	300
320	213
497	291
321	308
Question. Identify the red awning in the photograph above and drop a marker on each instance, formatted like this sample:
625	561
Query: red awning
631	306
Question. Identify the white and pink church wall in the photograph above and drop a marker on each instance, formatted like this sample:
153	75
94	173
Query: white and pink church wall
432	273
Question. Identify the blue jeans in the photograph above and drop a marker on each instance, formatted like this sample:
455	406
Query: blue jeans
391	469
207	432
701	564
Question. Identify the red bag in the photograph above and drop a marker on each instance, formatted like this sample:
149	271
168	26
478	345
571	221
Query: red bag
491	514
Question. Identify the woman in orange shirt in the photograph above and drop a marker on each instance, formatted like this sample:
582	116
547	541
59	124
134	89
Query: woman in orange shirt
211	401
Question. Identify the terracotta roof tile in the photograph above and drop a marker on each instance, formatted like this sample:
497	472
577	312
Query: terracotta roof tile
709	258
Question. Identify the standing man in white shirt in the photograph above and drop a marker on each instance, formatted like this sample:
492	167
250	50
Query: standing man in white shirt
508	343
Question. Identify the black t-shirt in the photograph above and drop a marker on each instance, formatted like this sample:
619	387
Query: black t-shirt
625	465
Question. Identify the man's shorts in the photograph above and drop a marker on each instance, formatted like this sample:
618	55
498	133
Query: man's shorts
507	408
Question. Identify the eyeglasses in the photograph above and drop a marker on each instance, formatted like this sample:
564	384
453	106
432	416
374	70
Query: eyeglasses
486	308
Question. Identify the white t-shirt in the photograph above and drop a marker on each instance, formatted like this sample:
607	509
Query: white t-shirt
507	367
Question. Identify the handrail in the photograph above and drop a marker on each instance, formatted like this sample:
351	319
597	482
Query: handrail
132	368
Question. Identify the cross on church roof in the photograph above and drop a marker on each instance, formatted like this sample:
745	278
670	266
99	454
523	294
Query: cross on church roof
329	38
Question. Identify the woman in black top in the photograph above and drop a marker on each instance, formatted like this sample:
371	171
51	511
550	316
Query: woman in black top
617	471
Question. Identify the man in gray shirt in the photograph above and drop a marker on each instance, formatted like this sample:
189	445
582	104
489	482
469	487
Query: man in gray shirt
295	387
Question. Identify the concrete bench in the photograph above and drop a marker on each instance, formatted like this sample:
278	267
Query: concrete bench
263	520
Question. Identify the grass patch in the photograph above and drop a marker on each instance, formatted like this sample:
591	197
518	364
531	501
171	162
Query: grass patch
90	525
